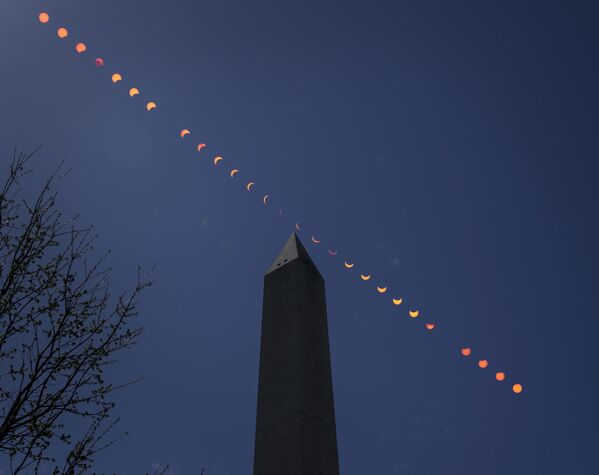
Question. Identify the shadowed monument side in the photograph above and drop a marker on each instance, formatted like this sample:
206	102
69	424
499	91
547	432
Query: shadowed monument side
295	422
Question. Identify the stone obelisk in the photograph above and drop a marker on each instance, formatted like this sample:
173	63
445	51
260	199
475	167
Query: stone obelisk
295	423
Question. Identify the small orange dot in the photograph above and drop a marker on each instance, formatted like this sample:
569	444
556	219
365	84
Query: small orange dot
466	351
517	388
62	32
44	17
500	376
483	364
430	326
80	47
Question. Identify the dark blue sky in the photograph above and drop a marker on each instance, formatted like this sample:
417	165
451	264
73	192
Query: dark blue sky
449	148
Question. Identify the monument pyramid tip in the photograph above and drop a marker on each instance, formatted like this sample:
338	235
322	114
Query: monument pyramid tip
293	249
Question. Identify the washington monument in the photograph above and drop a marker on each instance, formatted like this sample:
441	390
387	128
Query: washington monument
295	422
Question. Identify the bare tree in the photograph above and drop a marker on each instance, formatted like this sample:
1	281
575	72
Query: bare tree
59	330
165	470
161	469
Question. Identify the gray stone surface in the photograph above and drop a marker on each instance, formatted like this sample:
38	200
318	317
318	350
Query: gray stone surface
295	423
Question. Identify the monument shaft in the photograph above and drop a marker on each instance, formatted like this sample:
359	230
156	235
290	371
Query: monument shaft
295	423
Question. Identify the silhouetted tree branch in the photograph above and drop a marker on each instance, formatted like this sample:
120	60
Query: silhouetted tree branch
59	330
161	470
